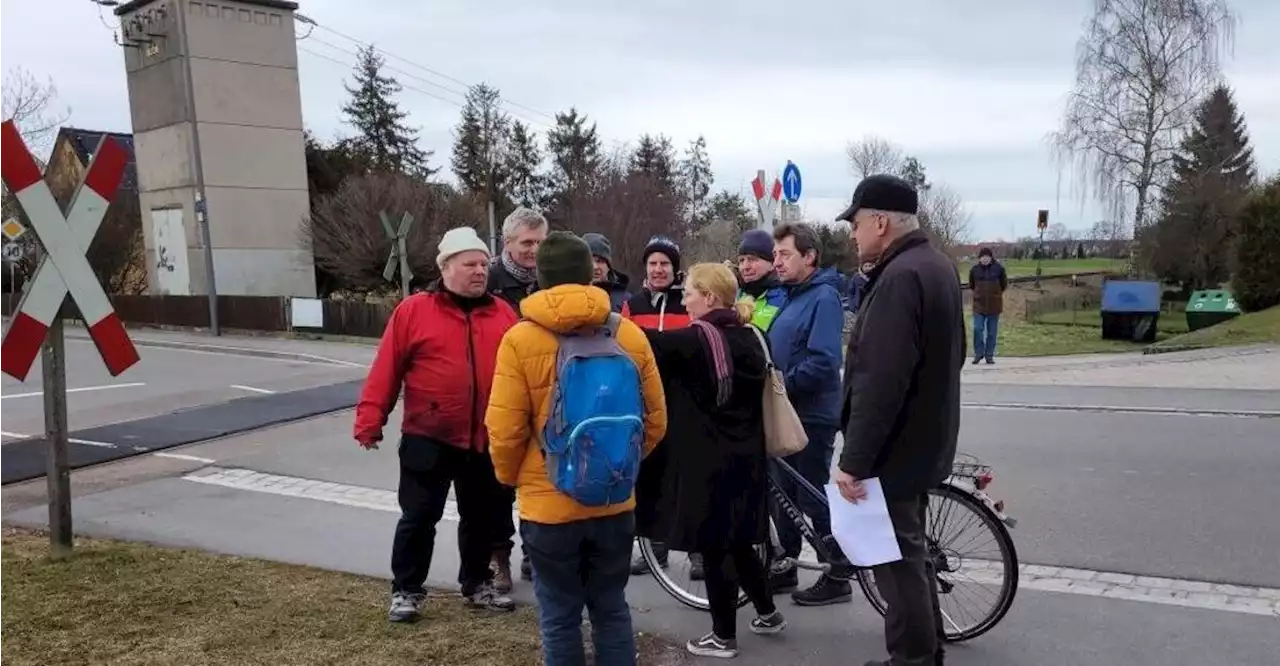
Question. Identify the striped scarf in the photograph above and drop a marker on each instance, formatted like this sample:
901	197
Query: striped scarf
525	276
720	360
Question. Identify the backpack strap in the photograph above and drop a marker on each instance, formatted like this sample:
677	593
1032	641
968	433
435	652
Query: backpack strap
612	323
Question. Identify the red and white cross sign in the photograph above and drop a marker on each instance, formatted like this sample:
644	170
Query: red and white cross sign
767	206
64	268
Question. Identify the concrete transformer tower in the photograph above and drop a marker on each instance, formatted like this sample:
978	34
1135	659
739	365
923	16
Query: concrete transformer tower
217	122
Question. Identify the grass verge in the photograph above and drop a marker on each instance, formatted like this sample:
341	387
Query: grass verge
125	603
1170	323
1253	328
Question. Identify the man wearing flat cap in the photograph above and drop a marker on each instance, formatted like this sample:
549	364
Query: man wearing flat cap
901	413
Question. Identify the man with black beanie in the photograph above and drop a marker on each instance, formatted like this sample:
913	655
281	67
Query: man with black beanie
757	279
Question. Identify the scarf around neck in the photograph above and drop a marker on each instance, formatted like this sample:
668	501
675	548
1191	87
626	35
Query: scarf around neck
709	330
519	273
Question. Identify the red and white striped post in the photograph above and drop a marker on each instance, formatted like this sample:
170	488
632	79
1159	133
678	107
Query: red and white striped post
64	268
766	206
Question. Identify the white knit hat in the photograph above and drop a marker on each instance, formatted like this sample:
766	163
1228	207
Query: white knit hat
458	240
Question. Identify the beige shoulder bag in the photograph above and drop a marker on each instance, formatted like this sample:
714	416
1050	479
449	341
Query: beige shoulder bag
783	432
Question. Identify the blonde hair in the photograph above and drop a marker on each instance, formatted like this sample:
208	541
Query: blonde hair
718	281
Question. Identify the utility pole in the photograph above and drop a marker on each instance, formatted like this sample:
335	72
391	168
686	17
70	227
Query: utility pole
202	215
488	149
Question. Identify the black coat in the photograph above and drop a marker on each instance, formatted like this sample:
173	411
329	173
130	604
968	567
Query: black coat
705	485
901	415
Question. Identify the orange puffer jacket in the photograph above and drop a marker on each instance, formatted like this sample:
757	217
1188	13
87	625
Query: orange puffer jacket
521	397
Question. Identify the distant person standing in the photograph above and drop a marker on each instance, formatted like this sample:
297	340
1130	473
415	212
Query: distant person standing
988	282
439	351
513	275
858	283
901	402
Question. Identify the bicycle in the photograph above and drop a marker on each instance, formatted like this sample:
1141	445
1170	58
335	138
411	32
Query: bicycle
963	491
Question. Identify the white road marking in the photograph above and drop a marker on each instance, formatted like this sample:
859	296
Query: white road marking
108	445
1151	589
90	442
183	456
82	389
251	389
1113	409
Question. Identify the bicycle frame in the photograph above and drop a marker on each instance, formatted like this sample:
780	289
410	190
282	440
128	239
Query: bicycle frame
836	567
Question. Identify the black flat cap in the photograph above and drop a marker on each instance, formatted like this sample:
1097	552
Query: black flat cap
882	192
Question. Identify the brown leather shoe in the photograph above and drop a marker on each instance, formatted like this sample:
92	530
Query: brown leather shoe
501	566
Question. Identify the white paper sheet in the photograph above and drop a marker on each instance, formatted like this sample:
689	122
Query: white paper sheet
863	530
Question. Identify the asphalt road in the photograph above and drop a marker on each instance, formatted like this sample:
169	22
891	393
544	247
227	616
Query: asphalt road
157	505
176	371
1165	495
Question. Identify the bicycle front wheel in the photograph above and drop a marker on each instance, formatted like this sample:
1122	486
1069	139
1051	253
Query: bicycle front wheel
678	576
974	560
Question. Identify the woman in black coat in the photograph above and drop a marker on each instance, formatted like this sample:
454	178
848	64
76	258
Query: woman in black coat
713	496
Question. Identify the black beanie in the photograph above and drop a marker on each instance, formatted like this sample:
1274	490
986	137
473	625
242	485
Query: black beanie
666	246
600	247
563	258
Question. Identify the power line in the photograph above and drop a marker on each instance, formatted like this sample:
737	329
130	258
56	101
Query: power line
502	100
403	85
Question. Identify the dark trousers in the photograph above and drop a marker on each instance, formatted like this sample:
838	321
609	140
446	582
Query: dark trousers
726	570
504	535
583	563
913	623
427	469
814	464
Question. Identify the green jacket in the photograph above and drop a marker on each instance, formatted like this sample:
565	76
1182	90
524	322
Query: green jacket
768	304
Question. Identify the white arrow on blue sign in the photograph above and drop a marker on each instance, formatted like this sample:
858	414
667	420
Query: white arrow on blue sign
791	182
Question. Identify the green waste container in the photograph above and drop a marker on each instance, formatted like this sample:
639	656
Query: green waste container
1209	307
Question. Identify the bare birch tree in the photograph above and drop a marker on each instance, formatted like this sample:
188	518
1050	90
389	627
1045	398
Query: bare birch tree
1142	67
33	107
873	154
944	216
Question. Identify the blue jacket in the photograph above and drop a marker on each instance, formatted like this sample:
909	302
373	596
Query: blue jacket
805	340
857	282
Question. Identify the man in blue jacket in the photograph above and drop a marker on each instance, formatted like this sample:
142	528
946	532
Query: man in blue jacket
806	341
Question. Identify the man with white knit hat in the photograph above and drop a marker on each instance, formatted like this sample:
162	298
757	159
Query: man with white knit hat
439	351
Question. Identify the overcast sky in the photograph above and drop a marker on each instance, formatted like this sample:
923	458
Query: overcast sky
971	87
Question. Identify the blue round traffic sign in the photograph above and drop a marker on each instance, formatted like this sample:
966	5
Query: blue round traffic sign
791	183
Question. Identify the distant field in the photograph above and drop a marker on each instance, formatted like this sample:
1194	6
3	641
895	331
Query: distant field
1025	267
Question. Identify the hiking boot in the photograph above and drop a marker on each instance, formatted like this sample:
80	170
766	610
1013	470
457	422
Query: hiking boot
783	578
489	598
501	567
766	625
975	362
991	361
695	566
713	646
406	606
526	568
640	566
825	592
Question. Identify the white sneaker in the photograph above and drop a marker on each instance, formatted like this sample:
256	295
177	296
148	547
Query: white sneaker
713	646
406	607
489	598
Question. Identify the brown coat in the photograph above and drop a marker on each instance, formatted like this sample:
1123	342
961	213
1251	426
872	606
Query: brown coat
988	284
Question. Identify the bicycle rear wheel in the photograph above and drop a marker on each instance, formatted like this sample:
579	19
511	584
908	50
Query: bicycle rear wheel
677	577
975	561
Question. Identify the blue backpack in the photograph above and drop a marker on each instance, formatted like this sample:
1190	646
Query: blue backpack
595	433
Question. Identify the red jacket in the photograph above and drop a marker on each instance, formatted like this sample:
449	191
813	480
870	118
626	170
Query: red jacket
444	358
661	311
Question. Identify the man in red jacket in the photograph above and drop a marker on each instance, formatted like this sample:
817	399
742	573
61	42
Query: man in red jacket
440	348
